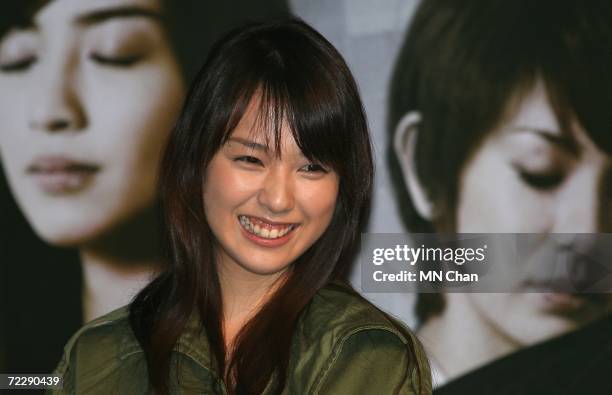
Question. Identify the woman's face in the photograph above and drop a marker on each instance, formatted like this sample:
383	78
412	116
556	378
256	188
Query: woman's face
528	177
265	209
88	93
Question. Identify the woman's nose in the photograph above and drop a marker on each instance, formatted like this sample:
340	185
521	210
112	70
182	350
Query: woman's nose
55	105
277	191
582	204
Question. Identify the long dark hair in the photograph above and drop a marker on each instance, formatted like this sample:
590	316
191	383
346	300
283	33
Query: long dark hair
302	79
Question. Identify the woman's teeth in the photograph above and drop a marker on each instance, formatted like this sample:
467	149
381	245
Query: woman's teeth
266	231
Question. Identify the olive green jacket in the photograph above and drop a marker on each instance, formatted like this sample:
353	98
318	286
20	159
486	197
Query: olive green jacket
342	345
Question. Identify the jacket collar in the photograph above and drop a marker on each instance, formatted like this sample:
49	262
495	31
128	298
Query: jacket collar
194	343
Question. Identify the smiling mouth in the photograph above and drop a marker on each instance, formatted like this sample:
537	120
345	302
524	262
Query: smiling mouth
264	229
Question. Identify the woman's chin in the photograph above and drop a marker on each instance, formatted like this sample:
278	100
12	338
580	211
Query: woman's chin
551	315
67	235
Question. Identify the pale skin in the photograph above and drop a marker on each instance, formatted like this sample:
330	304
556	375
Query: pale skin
460	340
90	91
246	178
527	176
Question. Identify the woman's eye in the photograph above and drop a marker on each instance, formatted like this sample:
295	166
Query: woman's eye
314	168
17	66
115	61
541	181
248	159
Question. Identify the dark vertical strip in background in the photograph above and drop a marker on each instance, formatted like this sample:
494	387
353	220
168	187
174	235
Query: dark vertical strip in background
40	294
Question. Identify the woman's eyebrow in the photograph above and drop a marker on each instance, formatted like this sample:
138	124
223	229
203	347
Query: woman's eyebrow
249	143
103	15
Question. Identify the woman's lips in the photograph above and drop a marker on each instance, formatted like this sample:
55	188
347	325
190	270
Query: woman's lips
266	233
563	301
58	175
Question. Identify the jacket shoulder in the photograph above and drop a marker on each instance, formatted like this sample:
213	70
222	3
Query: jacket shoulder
339	311
100	353
341	332
106	336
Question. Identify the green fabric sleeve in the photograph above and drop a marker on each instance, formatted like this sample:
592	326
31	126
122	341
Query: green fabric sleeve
370	362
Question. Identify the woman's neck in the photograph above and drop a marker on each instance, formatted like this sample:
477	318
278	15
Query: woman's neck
118	265
243	293
459	339
109	284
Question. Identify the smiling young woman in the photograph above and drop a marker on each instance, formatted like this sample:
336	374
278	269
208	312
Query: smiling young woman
265	186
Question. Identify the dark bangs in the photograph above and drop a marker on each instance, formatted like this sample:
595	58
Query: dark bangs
294	84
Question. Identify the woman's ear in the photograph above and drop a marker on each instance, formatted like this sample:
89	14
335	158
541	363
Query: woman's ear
404	144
